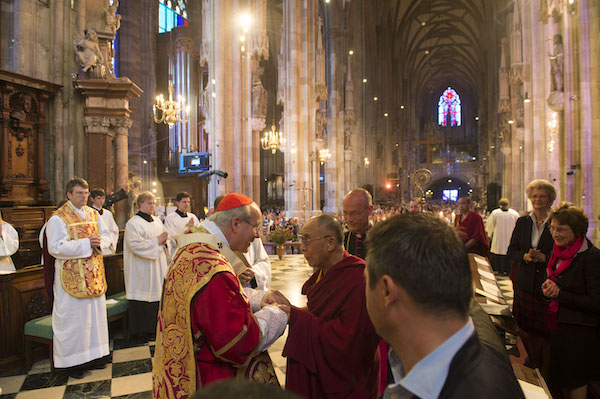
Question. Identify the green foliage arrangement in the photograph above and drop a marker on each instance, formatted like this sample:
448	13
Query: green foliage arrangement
280	235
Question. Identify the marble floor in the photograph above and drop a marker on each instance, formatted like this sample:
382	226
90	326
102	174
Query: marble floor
129	373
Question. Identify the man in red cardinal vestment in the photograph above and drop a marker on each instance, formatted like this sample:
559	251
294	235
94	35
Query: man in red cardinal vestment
209	328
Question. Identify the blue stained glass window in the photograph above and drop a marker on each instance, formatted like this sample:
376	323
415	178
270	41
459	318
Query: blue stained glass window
449	110
169	18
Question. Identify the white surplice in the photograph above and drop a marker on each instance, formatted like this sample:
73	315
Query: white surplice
9	244
175	224
258	258
500	225
80	325
144	261
109	222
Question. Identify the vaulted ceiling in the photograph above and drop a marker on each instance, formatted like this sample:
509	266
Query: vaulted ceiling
442	40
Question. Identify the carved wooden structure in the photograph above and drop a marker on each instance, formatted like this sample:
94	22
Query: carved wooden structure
23	124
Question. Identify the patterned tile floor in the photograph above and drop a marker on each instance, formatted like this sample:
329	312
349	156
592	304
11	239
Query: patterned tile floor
129	374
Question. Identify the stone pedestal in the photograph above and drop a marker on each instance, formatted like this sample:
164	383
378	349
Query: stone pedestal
107	121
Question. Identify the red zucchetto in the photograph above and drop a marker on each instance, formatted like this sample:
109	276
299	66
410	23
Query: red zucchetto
233	200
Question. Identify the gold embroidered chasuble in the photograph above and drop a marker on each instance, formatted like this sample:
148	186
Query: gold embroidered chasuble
82	277
174	372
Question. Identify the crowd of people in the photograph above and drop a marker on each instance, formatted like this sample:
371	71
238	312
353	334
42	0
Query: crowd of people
389	307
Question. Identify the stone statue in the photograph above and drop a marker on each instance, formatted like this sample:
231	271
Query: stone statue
259	95
113	20
320	122
87	52
556	63
519	105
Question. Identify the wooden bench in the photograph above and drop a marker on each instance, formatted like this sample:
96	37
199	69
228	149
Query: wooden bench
40	329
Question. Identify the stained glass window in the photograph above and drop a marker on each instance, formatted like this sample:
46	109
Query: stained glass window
449	111
171	13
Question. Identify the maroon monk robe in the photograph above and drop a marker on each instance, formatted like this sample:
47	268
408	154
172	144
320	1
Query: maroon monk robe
472	228
331	348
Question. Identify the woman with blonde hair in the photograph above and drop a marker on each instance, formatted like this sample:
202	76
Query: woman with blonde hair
529	250
573	317
9	244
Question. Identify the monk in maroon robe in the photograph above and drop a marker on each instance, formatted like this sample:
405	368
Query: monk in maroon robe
331	348
470	226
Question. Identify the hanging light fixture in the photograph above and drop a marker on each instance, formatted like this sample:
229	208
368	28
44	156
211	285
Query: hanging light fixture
171	112
272	140
324	155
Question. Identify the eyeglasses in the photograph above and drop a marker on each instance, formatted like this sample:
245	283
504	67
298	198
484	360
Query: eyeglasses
307	240
559	230
354	213
254	228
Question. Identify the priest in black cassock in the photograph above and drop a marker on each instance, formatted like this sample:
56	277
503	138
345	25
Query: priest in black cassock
357	208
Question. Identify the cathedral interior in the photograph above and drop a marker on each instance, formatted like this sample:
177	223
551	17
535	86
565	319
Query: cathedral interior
293	103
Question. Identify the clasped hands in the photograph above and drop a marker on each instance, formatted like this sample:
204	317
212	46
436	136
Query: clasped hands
550	289
276	298
534	255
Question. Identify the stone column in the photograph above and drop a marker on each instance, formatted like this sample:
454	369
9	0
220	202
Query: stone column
121	170
297	72
99	150
107	122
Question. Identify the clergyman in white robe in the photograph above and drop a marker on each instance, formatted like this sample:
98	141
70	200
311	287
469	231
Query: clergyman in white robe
258	258
176	223
80	325
9	244
145	265
499	226
109	221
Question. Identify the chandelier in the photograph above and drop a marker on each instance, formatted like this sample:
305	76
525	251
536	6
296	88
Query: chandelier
172	112
324	155
272	141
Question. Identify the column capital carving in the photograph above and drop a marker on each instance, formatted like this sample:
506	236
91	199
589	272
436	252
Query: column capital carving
96	124
121	125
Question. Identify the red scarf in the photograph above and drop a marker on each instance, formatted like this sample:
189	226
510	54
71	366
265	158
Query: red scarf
566	254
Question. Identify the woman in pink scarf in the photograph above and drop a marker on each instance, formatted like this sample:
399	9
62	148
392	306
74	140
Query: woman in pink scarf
573	318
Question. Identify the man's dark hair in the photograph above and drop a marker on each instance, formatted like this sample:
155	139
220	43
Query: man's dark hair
182	195
234	388
217	201
76	181
330	226
97	192
426	257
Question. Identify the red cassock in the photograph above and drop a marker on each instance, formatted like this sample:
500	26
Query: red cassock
331	348
206	329
472	228
228	333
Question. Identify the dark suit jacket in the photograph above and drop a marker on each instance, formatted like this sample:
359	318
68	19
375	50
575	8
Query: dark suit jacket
480	372
579	296
530	276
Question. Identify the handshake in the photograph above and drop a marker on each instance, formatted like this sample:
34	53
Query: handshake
276	298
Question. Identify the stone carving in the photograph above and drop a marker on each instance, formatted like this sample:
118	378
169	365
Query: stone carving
89	56
556	63
113	20
320	86
259	95
320	122
519	105
281	69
